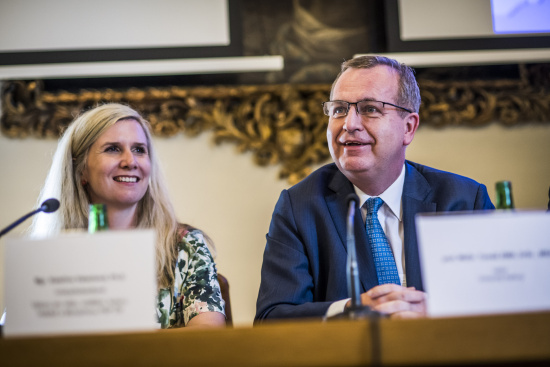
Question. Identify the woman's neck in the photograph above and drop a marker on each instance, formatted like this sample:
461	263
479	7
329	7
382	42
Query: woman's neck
122	218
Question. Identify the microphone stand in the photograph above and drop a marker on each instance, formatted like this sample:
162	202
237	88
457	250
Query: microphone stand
356	310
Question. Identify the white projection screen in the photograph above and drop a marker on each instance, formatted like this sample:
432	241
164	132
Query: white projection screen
63	31
451	25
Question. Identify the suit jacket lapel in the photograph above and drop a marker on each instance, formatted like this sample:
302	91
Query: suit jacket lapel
337	206
415	200
336	203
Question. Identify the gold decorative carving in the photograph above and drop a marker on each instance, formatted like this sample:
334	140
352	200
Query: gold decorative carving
479	102
279	124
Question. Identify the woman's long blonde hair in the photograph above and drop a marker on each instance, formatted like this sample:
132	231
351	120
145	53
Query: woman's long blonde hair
63	182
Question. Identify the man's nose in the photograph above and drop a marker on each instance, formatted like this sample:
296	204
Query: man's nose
353	120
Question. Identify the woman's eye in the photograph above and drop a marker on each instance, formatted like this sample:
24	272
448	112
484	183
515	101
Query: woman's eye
140	150
112	148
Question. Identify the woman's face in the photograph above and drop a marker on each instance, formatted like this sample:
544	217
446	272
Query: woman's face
118	166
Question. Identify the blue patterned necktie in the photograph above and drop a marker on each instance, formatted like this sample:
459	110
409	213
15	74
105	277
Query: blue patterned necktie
381	250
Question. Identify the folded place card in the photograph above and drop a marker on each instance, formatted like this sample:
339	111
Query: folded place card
80	283
486	262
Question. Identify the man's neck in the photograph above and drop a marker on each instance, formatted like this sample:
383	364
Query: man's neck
374	186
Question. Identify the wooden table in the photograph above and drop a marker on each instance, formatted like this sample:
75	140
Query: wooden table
523	339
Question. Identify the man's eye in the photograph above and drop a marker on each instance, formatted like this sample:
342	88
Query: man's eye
339	110
369	110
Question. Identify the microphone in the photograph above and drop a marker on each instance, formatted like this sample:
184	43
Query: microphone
48	206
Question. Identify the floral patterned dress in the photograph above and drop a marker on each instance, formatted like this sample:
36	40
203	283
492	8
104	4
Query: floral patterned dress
196	289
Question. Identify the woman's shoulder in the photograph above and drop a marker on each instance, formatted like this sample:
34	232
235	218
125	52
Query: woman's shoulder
190	239
186	231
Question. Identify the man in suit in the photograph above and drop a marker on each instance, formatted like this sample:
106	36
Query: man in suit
373	116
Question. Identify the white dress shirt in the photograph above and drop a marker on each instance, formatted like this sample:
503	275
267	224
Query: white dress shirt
390	216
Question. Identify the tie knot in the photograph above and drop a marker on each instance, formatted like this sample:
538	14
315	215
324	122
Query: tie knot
373	204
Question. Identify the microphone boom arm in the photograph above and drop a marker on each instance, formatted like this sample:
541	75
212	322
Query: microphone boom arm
48	206
18	222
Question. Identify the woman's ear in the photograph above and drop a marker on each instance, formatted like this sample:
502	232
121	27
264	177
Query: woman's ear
84	177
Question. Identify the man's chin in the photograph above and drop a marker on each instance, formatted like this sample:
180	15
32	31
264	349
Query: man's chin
353	168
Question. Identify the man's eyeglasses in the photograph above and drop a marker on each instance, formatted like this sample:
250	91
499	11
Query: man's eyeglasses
366	108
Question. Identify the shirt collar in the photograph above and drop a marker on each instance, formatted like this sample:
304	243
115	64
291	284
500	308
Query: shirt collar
391	197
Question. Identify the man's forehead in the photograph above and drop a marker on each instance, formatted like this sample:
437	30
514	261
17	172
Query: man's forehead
372	83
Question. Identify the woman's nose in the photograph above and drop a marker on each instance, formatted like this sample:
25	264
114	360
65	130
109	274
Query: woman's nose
128	160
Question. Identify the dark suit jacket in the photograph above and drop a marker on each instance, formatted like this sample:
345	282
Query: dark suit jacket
304	264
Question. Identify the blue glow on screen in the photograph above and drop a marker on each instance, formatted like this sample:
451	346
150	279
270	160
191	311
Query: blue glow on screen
521	16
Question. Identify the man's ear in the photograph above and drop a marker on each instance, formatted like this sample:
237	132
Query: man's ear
411	124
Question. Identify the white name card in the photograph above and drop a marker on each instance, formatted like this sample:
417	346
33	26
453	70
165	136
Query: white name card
80	283
495	262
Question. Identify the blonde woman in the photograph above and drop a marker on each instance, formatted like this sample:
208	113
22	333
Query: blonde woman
106	156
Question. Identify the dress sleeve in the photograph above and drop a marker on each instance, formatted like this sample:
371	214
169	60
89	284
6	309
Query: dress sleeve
198	288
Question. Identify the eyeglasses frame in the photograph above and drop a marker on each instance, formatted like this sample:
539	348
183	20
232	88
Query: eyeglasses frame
364	100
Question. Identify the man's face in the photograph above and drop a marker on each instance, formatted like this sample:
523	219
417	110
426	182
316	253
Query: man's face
366	147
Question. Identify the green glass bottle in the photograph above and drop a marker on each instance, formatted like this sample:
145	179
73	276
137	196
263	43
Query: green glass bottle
504	195
97	219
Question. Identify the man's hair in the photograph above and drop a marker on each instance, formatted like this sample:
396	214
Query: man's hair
408	94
